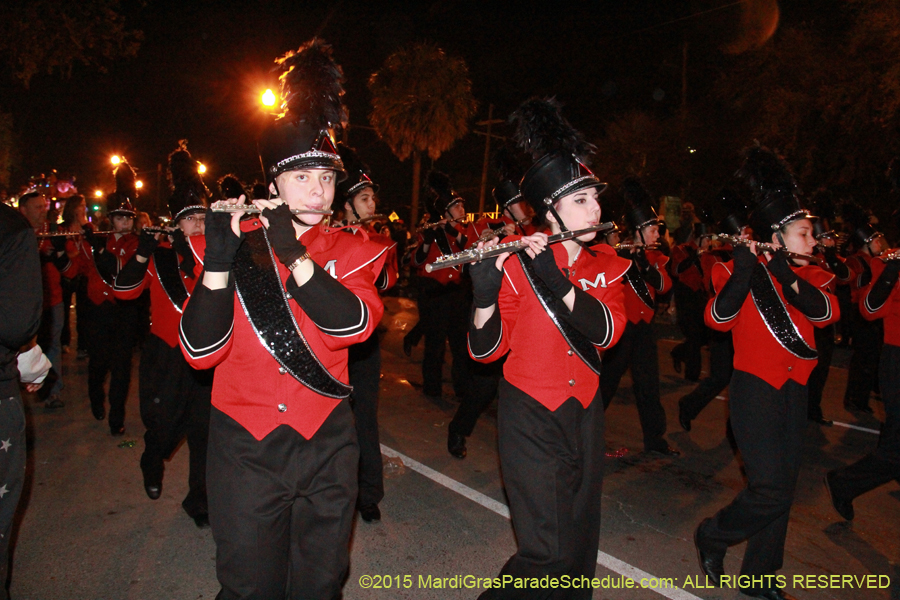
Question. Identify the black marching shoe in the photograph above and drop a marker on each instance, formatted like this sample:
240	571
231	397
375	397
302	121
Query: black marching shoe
677	363
683	419
820	420
201	520
117	431
711	566
153	491
843	507
99	412
370	513
665	450
769	594
456	445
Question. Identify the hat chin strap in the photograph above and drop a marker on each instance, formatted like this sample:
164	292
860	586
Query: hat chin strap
563	228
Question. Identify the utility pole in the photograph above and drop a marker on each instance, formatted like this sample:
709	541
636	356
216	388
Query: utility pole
487	153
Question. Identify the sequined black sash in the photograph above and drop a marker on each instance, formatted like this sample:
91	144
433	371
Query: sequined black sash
577	341
166	262
775	315
262	296
637	283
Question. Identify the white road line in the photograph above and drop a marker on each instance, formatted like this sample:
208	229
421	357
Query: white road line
857	427
603	559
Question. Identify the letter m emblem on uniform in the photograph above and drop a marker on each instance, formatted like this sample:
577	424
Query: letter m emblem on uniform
330	267
600	280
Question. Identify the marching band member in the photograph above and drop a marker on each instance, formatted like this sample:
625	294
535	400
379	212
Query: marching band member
862	375
551	309
443	309
771	306
880	300
721	348
645	279
280	300
358	194
174	397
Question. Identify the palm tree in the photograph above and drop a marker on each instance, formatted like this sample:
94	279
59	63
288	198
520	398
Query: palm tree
421	102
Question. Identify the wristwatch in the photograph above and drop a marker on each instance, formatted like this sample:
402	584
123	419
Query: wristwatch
298	262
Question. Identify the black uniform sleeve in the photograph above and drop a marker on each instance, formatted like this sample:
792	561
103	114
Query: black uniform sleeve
332	307
484	341
810	300
132	274
882	288
654	278
106	264
208	319
591	317
728	302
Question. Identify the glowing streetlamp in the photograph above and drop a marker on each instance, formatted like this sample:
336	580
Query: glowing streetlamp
138	184
268	98
98	193
115	159
201	168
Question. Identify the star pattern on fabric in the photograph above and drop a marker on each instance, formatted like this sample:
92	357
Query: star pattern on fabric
5	445
3	490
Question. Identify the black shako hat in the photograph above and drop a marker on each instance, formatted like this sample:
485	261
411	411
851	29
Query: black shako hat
558	151
358	177
822	204
303	136
861	231
735	210
639	211
230	186
443	196
706	225
188	193
121	201
773	188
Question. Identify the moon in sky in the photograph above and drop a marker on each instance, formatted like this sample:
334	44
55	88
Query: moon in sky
758	22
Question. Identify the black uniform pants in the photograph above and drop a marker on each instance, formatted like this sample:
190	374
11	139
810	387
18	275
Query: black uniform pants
112	337
365	377
883	464
552	466
175	403
689	316
721	366
12	474
768	426
863	372
824	337
637	349
281	508
481	389
443	315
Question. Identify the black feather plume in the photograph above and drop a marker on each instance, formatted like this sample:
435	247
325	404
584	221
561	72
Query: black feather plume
231	187
821	204
312	86
635	193
125	181
541	129
259	191
440	184
766	173
184	176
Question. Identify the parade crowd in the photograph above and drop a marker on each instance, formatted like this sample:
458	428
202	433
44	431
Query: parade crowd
254	309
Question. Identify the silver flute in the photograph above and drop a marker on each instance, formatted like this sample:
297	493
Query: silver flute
764	247
474	254
252	210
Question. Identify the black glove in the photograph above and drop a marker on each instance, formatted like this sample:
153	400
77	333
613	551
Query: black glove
486	282
58	242
640	257
180	245
545	267
221	243
428	235
282	235
780	268
147	243
97	242
743	258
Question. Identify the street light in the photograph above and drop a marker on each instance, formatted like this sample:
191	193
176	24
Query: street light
268	98
98	193
115	159
138	184
201	168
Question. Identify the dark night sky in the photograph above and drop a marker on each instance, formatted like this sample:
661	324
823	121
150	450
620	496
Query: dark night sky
202	65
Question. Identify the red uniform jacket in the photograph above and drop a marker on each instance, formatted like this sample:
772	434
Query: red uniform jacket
248	385
442	276
708	260
164	315
388	277
860	270
889	311
756	350
50	275
123	248
540	361
476	228
634	306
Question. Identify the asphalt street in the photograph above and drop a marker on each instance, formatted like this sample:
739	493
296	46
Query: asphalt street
88	531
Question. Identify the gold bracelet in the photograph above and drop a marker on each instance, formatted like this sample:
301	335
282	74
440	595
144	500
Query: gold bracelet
298	262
